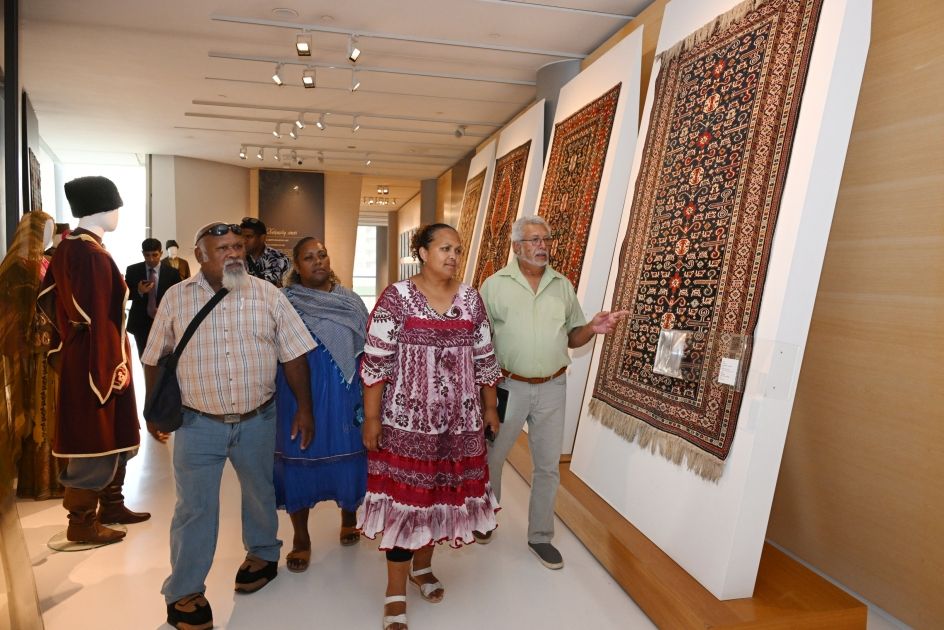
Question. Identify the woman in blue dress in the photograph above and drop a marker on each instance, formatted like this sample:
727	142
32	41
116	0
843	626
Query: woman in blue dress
334	466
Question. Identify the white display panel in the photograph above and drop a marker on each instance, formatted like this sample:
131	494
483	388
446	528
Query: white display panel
529	125
621	64
715	531
483	160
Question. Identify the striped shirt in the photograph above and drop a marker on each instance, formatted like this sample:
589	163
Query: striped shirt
229	364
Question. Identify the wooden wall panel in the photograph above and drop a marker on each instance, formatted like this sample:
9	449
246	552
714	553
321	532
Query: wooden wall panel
861	488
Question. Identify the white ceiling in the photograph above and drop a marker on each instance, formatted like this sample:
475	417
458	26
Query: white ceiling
133	76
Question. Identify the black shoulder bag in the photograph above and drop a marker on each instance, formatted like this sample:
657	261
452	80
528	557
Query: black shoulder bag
163	406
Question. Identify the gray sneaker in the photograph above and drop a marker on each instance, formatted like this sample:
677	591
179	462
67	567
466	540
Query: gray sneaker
547	554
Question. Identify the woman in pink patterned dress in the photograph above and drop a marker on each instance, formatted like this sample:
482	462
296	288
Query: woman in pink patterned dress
429	373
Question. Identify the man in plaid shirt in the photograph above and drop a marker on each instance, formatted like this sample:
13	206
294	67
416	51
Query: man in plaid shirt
227	382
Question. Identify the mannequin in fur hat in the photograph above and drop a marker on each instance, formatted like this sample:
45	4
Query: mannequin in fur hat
84	295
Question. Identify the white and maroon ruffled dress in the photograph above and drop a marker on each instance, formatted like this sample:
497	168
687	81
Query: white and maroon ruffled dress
428	482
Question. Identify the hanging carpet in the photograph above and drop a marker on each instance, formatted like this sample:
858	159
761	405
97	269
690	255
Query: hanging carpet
501	212
696	250
572	181
467	216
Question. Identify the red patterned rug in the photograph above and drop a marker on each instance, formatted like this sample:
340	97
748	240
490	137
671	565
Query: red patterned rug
467	216
501	213
574	168
706	201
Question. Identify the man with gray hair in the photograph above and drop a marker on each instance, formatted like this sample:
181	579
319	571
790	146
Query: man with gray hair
227	385
536	317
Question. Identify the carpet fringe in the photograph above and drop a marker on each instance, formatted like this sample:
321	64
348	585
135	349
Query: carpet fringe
720	23
671	447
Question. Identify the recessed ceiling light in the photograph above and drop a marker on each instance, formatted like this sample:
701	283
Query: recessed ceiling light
285	13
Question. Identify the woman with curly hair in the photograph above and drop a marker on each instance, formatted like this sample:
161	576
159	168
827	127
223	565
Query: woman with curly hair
429	372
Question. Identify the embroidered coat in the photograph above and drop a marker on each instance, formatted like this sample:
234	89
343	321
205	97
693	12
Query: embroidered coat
84	295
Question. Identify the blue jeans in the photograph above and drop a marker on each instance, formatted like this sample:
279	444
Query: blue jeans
201	447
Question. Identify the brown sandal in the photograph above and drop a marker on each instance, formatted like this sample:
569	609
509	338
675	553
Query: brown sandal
349	536
297	560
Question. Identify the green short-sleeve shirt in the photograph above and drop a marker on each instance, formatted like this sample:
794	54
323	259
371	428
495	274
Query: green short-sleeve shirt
531	328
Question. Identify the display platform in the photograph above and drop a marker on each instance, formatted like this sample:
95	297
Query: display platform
786	594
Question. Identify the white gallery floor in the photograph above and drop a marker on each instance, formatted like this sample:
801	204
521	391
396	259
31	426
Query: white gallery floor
500	585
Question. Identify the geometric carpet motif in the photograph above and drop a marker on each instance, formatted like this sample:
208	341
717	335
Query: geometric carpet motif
467	217
502	211
706	201
572	182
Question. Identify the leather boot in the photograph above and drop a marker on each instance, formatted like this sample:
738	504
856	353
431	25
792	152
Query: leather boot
112	503
83	524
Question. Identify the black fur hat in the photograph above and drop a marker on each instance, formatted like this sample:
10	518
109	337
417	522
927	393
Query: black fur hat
91	195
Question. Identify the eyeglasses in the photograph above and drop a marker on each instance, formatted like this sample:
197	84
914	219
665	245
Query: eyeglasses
537	240
220	229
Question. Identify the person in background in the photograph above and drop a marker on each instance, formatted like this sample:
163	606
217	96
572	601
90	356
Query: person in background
429	372
262	261
147	282
536	316
174	261
227	386
334	467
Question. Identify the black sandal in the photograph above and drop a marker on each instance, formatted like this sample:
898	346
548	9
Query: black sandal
249	580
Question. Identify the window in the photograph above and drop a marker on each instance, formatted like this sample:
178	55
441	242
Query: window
365	265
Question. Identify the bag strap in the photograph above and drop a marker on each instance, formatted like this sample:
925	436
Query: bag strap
197	320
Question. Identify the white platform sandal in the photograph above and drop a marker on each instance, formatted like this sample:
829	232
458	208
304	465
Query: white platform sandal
426	590
389	620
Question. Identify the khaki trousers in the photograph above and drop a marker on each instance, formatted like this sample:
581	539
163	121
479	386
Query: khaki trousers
542	407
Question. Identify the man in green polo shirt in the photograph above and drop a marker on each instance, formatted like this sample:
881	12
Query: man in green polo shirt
536	318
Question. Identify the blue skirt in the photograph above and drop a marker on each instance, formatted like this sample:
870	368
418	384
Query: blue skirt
334	466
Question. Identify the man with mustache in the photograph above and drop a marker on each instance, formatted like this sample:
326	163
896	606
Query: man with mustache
536	317
227	382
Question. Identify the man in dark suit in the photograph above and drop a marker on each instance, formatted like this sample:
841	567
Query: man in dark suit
147	282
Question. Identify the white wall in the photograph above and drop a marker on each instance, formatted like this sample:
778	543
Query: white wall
342	206
187	193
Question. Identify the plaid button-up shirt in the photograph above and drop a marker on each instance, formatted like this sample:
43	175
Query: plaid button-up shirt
229	364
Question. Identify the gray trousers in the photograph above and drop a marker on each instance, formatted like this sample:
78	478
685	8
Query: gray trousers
542	407
93	473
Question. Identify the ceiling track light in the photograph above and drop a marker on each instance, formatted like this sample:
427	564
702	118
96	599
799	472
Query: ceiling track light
277	132
368	160
320	157
293	133
276	76
355	84
383	190
353	52
308	77
303	45
355	125
300	122
277	156
294	155
242	152
261	153
321	123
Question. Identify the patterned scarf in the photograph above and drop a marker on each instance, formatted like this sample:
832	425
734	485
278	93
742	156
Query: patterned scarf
338	319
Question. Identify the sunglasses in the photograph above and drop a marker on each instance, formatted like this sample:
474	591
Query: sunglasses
251	220
220	229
